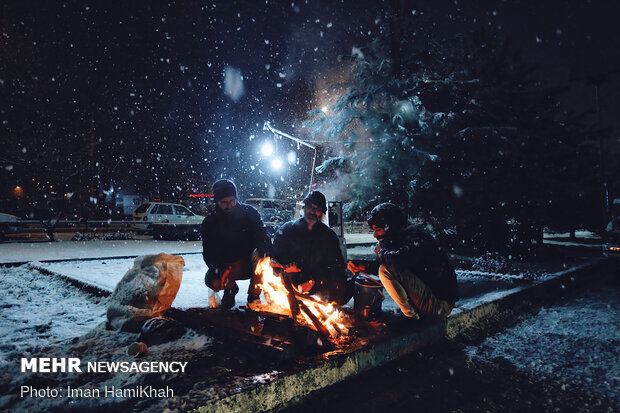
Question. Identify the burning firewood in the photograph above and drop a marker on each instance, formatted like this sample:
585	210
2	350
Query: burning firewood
315	321
297	306
283	298
290	293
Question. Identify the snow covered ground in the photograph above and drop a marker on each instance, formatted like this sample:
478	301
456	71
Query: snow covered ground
577	343
39	251
39	309
578	234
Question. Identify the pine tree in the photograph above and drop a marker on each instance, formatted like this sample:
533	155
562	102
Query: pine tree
458	132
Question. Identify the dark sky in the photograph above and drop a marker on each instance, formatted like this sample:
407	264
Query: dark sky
149	76
151	72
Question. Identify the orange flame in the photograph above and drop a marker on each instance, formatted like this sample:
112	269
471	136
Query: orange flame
276	296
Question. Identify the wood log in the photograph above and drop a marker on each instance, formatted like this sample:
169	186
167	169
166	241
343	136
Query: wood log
290	295
315	321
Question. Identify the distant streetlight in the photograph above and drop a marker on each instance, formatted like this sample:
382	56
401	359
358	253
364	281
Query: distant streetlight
18	192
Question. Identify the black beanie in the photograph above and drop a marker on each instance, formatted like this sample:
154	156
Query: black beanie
224	188
387	216
316	198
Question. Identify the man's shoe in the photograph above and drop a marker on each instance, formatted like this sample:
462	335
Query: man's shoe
228	300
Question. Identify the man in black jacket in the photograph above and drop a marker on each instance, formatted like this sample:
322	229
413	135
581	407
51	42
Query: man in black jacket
413	269
308	251
233	238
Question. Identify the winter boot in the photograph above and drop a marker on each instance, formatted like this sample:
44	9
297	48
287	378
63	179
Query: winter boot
228	300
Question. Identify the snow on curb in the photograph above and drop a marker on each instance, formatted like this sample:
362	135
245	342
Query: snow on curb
90	288
524	297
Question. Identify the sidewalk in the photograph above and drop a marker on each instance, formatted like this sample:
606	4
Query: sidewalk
22	252
63	250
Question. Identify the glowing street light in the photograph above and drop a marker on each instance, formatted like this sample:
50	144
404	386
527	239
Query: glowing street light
267	149
276	164
267	126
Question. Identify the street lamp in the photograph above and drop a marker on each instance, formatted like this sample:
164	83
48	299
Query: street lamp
267	126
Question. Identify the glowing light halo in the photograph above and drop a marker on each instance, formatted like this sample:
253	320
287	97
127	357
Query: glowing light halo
277	164
267	149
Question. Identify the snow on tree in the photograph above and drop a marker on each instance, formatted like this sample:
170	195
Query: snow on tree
453	128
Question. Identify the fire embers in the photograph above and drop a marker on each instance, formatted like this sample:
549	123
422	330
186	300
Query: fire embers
310	311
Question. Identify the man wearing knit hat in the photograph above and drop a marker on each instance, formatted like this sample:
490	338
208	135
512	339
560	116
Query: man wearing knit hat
309	252
233	237
413	269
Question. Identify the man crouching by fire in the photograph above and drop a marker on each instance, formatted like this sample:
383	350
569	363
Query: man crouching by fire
308	252
413	269
233	238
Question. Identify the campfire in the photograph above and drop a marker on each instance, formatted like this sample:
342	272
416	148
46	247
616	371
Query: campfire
282	298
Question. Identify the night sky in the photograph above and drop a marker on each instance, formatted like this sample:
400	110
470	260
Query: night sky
132	90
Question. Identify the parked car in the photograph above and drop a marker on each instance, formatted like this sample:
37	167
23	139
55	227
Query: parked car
7	224
276	211
151	213
273	212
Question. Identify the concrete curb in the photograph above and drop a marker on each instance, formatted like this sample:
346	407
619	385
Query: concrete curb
335	369
339	367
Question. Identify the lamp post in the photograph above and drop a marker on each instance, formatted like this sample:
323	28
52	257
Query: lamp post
267	126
